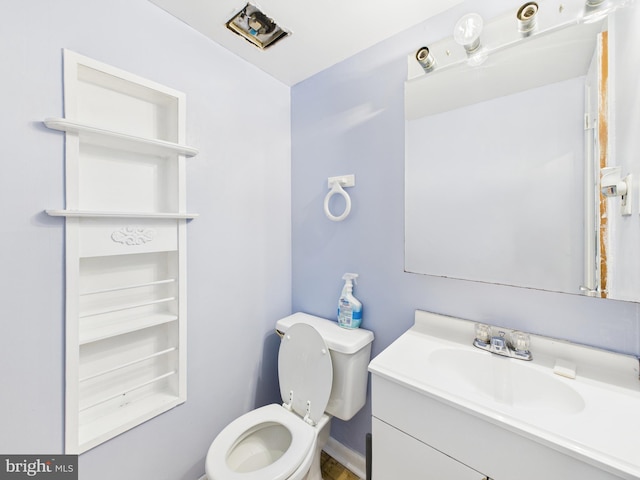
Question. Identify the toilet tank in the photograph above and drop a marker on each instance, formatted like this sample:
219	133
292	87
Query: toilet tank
350	354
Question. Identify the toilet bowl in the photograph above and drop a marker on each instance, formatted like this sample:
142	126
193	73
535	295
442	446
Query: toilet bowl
267	443
283	442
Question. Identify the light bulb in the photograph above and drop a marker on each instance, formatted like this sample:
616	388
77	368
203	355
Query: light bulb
467	32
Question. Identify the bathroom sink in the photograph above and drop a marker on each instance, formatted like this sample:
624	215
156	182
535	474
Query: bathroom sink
508	381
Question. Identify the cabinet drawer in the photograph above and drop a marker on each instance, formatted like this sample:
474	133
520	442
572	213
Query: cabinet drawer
99	237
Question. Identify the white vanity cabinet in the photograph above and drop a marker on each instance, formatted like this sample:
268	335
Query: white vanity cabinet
125	233
430	424
441	438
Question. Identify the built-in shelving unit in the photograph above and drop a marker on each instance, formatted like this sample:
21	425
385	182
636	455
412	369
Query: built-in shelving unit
125	249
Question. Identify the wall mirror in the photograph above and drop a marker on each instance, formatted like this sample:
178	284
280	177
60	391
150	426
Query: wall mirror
506	147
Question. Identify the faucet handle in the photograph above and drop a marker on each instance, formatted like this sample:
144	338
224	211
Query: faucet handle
483	333
520	341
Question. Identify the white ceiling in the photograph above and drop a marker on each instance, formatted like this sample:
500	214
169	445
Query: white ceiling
323	33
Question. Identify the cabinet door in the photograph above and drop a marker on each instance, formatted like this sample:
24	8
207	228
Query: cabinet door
397	455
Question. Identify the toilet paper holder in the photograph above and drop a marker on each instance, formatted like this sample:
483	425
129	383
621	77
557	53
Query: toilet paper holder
337	186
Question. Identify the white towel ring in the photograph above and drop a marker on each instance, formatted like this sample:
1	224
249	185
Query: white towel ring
336	188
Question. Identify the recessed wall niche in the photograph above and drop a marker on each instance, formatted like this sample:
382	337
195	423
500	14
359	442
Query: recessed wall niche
125	241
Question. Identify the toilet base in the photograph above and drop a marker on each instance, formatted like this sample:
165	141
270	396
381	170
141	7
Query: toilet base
315	471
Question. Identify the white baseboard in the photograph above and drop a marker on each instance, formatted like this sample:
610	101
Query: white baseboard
351	459
203	477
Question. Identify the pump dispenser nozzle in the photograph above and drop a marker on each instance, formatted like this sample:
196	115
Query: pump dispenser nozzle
350	277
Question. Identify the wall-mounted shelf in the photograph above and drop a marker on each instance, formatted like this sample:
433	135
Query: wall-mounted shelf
125	250
98	214
114	139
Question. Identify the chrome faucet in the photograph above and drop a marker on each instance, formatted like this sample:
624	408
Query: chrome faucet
508	343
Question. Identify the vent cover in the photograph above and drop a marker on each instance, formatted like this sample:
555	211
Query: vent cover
253	25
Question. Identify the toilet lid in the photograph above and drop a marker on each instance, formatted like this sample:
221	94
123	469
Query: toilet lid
304	368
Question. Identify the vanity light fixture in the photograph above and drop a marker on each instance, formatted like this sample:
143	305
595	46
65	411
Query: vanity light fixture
467	32
527	18
425	59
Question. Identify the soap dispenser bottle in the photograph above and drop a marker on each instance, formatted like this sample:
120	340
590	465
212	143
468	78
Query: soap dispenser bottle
349	307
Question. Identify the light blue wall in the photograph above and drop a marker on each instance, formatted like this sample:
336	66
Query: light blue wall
239	251
349	119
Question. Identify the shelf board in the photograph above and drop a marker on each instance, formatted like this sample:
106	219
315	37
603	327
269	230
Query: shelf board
128	364
127	287
104	214
113	327
127	391
122	419
121	308
110	138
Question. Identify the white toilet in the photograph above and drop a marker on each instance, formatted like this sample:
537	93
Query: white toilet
323	373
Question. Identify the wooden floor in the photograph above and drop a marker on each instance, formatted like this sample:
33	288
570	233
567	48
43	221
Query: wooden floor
332	470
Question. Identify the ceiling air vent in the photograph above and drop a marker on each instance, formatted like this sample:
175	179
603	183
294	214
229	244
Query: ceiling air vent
254	26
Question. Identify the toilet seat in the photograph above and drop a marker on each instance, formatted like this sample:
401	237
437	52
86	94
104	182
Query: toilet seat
303	440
